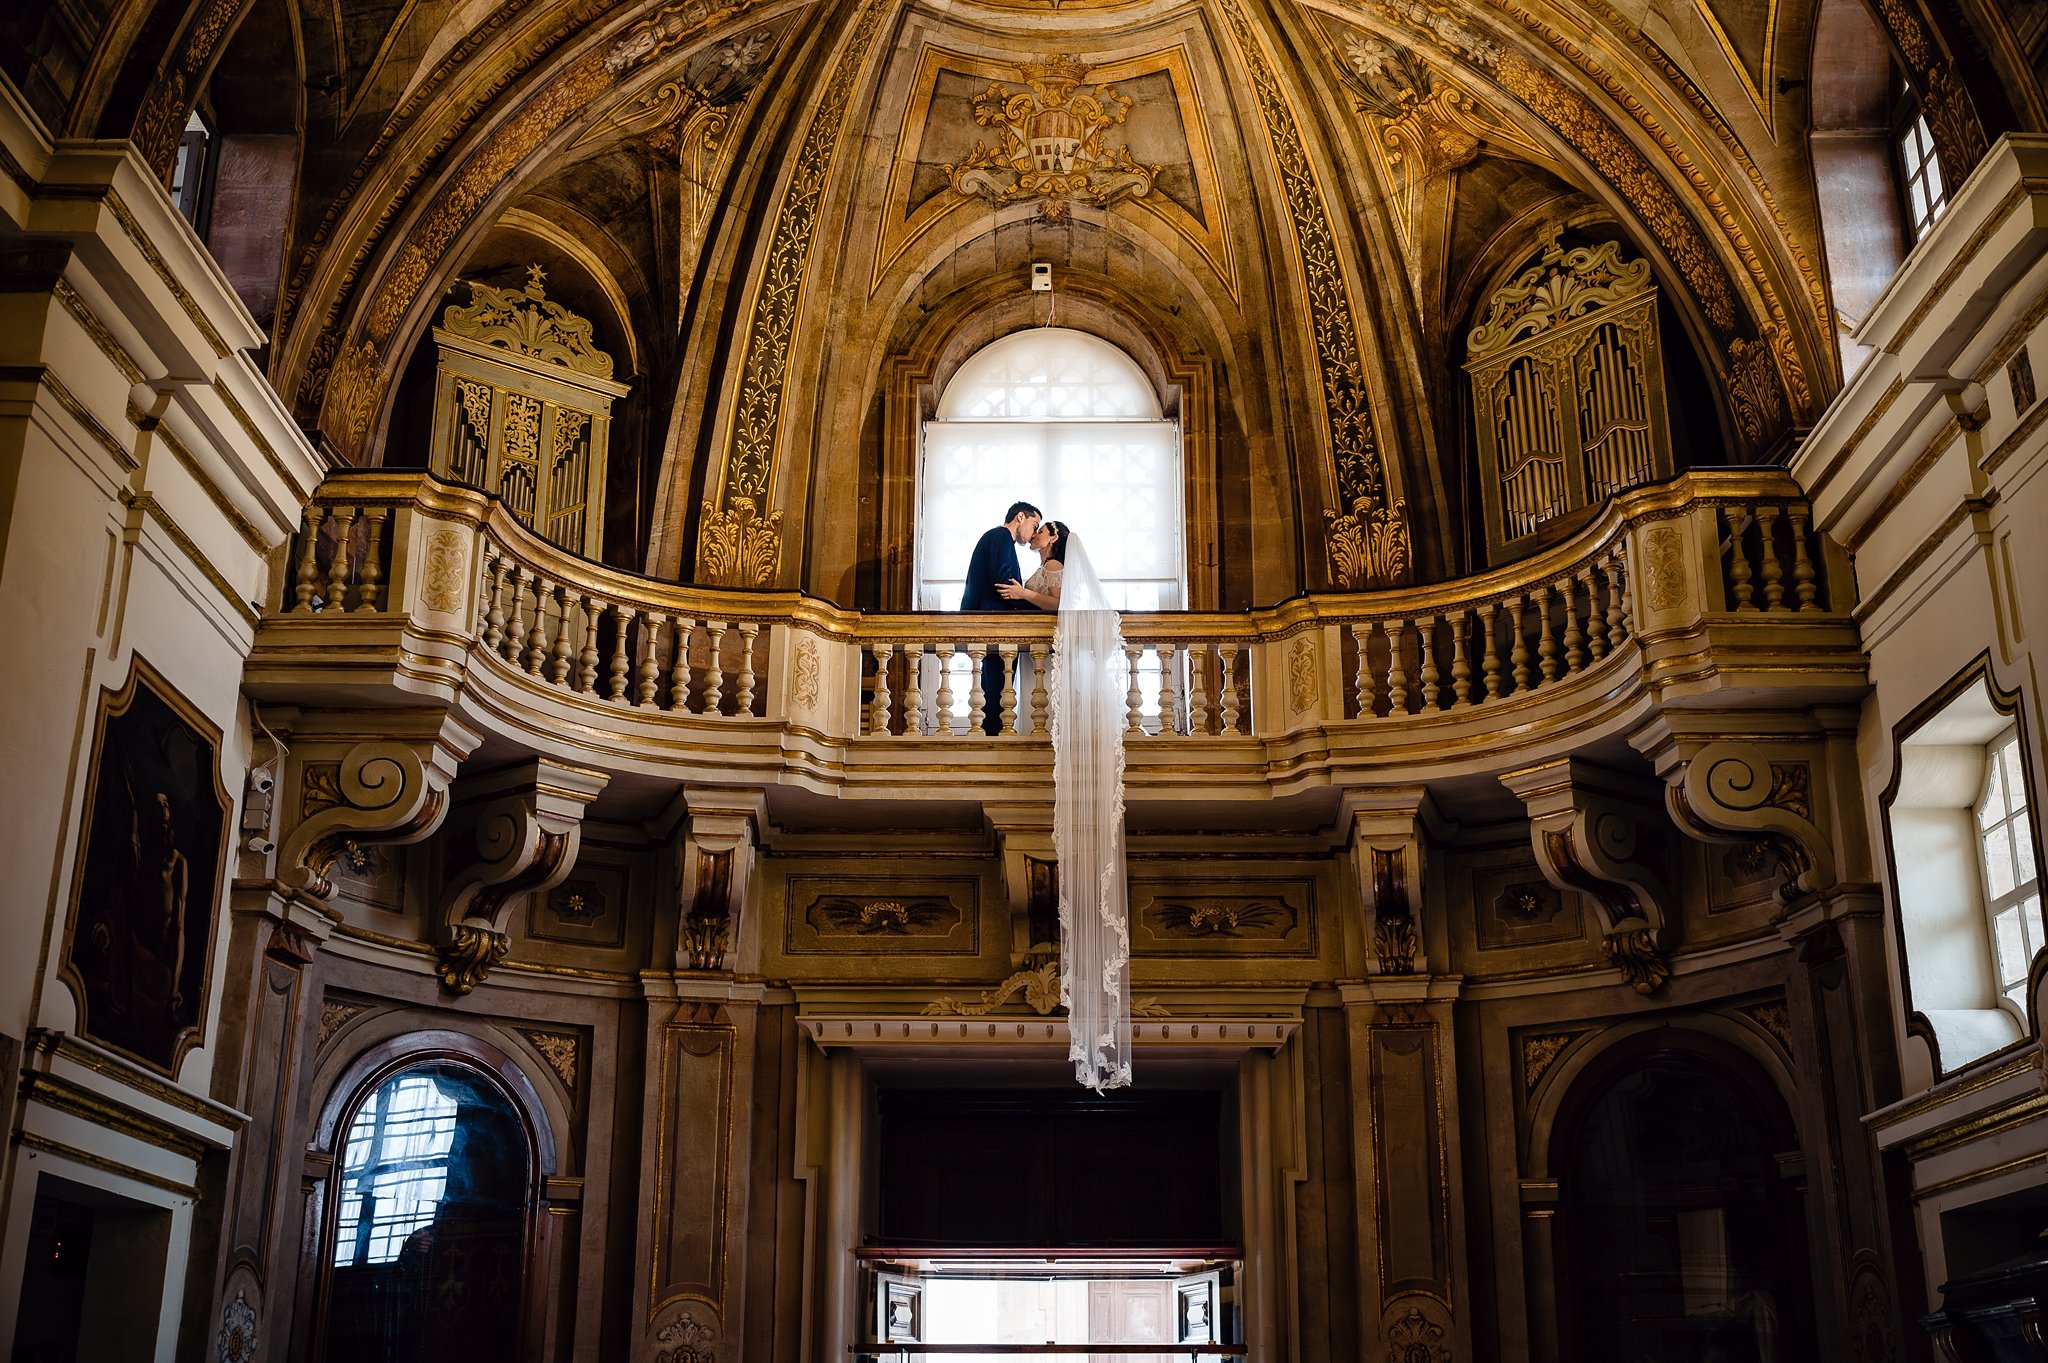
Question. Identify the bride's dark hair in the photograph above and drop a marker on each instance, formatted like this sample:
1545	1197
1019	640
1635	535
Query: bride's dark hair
1056	552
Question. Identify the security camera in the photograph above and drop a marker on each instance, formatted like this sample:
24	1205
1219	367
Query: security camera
1041	276
261	779
260	844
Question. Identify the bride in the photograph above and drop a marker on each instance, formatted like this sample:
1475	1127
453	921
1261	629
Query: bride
1090	676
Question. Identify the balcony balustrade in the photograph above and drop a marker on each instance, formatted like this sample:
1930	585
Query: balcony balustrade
1712	588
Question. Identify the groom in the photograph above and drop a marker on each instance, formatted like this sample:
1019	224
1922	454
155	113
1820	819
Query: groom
994	561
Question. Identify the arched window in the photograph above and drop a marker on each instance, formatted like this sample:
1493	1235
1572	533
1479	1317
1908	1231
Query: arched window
427	1240
1070	423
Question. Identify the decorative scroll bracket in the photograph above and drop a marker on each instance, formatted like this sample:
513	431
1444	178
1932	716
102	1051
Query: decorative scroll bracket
717	836
1586	829
392	790
527	829
1725	791
1390	830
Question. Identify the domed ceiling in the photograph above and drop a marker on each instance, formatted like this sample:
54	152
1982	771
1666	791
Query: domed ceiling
790	221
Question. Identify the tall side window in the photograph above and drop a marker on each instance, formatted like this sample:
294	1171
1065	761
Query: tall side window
1965	870
2012	885
1920	176
1070	423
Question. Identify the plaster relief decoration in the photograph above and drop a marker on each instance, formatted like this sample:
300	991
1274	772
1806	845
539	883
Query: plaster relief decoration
1211	919
1538	1051
1047	136
1051	145
1523	911
1416	1334
686	1340
588	909
885	917
138	939
237	1338
447	564
560	1050
1368	542
1302	674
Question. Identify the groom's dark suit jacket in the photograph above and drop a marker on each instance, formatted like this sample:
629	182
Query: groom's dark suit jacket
995	560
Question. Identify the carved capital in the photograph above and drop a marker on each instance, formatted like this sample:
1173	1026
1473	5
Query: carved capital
525	825
1390	830
1736	792
717	833
381	791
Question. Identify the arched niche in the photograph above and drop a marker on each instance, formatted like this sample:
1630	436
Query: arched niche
1678	1221
427	1234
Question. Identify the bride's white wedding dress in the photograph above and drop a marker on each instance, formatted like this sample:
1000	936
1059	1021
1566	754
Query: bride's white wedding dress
1090	676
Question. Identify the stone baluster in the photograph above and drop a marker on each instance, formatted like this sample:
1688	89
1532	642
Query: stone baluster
1804	590
878	707
1461	667
567	637
537	637
1574	638
1169	689
1425	634
1546	636
1041	660
494	618
743	702
588	610
515	629
714	668
1774	571
1489	663
1397	668
1228	652
615	682
1518	652
370	582
344	518
1134	698
1008	700
1738	559
1596	617
943	715
309	561
1615	570
977	694
1198	689
679	667
1361	681
650	657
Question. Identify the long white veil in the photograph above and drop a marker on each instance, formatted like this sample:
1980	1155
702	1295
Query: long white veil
1089	681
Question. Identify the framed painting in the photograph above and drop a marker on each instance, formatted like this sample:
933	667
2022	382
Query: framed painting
138	939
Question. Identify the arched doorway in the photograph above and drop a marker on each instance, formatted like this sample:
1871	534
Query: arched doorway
1679	1238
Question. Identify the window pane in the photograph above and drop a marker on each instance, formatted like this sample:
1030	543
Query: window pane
2030	923
1997	863
2010	939
2023	850
2015	779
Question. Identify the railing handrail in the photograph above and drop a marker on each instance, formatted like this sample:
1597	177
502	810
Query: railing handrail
417	487
1140	1350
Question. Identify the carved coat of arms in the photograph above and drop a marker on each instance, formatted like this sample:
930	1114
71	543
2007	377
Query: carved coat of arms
1052	145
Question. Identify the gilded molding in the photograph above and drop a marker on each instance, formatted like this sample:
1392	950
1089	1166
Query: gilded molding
1052	113
1368	542
747	476
560	1050
467	954
1040	985
161	122
95	328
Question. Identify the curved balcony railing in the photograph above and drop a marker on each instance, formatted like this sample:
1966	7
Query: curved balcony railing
1657	568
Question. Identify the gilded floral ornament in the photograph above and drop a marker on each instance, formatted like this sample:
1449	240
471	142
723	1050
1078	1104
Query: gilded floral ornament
1053	145
1637	957
469	954
738	547
1369	544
